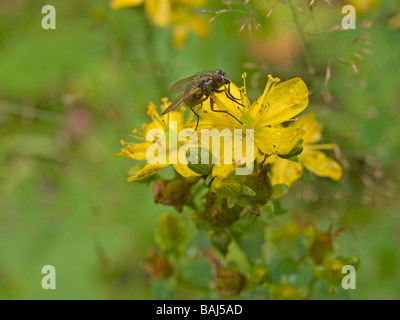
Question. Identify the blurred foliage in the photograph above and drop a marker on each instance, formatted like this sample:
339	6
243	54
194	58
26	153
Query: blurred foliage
67	96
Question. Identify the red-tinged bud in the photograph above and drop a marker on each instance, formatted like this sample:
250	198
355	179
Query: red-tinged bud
169	234
229	282
260	183
221	241
158	266
173	192
260	275
216	215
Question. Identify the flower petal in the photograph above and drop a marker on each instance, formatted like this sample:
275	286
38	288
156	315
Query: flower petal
311	127
285	172
222	170
147	171
184	171
200	26
159	11
277	140
193	3
179	35
320	164
229	104
222	120
282	102
139	150
118	4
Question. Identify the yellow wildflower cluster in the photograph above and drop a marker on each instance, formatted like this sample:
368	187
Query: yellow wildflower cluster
180	14
312	158
138	150
280	151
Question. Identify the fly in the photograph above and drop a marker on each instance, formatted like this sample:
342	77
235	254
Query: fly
196	89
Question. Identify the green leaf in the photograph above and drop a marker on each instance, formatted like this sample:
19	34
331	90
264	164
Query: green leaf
279	190
251	242
163	289
247	191
267	210
194	157
294	159
209	179
196	273
231	202
298	148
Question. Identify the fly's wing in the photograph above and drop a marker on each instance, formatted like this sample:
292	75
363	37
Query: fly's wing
181	85
181	98
178	100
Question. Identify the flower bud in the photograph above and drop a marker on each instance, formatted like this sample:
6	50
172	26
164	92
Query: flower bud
196	156
221	241
259	275
260	183
229	282
169	233
231	188
158	267
228	187
322	245
173	192
216	215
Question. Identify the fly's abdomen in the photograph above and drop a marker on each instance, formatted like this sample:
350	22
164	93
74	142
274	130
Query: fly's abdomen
194	100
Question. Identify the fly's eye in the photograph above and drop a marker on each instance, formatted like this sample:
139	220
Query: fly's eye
217	78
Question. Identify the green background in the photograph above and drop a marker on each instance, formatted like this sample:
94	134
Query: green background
67	97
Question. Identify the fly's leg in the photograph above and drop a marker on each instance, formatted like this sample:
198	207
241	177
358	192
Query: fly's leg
224	111
197	115
198	118
229	94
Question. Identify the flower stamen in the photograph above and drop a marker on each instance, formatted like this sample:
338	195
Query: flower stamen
152	112
272	82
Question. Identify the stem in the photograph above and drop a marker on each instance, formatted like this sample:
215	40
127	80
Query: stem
327	146
157	73
237	254
29	112
307	59
311	287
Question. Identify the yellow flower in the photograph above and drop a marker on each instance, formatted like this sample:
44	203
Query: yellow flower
279	103
158	11
185	22
119	4
178	13
394	21
363	5
286	171
150	138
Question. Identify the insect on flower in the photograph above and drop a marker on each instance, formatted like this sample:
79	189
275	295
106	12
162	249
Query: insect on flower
198	88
